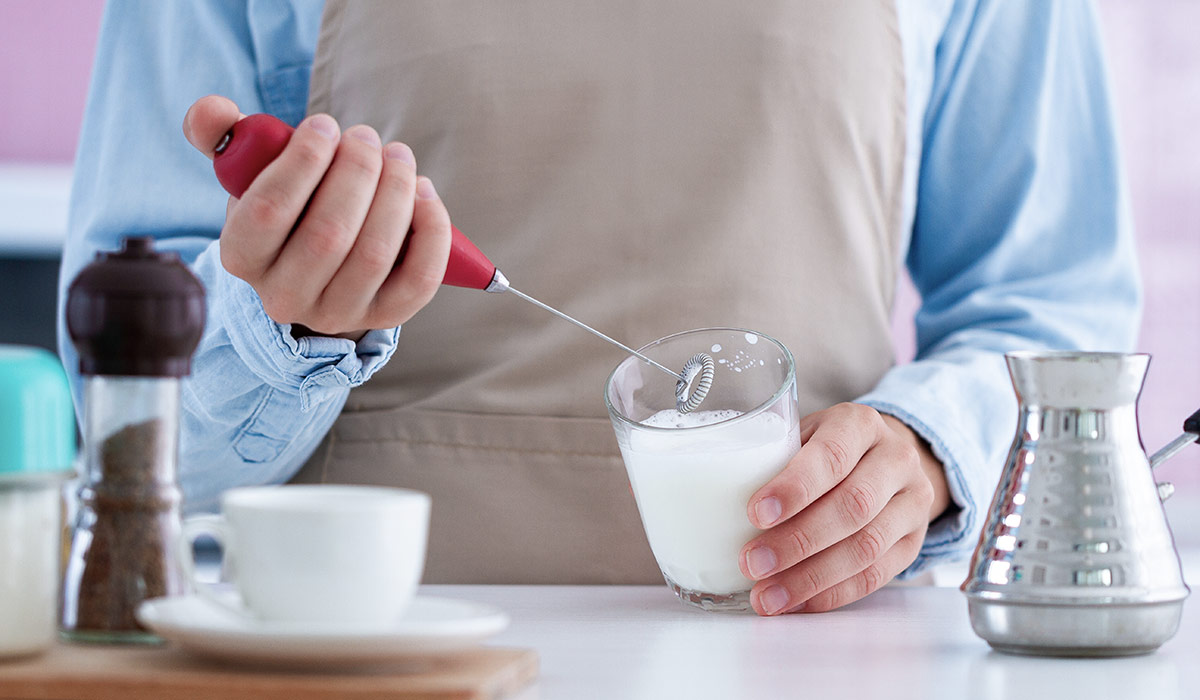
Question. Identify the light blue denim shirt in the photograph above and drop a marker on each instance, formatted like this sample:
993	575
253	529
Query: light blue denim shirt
1017	226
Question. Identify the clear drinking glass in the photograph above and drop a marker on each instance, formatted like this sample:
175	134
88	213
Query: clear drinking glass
693	474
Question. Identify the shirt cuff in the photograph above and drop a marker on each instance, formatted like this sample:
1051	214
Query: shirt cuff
316	368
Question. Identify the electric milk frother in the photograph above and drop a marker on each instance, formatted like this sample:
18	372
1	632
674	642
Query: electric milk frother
258	139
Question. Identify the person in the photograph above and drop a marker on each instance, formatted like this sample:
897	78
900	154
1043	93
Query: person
646	167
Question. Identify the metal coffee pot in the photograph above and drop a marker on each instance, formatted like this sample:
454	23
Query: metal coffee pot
1076	557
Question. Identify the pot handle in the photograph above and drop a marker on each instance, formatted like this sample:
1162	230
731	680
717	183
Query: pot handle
1191	433
1192	424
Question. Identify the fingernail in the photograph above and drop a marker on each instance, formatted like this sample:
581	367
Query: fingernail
400	152
366	134
768	511
425	188
773	599
760	561
323	124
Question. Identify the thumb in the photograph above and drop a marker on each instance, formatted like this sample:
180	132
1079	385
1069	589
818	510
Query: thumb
207	120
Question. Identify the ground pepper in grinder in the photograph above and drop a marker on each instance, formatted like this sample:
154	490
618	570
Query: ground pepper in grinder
135	317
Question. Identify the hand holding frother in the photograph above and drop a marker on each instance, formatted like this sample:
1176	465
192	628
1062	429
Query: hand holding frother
254	142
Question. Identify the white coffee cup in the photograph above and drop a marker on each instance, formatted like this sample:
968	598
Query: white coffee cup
343	556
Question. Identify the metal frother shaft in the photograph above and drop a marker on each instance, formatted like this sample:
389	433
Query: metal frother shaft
700	364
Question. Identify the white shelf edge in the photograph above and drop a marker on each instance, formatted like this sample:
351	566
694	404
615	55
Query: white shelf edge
33	207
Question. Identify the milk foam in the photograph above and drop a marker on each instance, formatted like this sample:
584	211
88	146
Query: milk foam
672	418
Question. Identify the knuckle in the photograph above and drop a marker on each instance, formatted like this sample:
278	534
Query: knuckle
860	418
907	453
317	323
831	600
309	154
280	307
865	416
809	583
836	456
324	320
361	162
267	207
416	289
326	235
439	218
236	264
911	545
870	580
427	276
797	492
819	604
398	178
870	544
375	254
847	410
859	502
924	491
802	544
374	320
425	282
376	316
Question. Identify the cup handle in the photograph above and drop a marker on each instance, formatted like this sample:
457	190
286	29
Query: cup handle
213	526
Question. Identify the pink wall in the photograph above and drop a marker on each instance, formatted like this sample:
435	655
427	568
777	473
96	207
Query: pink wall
46	51
1155	60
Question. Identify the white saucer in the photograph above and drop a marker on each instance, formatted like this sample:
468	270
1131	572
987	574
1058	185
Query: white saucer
430	627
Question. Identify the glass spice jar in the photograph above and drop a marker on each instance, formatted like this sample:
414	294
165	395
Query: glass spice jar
37	450
135	318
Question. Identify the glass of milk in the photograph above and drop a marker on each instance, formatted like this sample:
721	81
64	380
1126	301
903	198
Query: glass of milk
693	474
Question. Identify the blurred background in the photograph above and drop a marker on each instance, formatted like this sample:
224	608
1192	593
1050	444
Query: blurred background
46	50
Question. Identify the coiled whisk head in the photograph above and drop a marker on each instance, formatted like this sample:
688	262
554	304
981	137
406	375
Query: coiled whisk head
698	370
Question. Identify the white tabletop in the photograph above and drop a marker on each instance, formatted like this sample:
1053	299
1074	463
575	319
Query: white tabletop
631	642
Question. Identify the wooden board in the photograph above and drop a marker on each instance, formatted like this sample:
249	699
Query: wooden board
87	672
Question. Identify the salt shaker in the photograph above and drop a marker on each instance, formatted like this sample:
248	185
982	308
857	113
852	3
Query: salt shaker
135	317
37	448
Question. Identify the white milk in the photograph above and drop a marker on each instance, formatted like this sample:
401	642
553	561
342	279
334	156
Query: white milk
29	552
693	490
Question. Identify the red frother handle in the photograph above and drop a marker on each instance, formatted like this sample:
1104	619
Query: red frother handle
258	139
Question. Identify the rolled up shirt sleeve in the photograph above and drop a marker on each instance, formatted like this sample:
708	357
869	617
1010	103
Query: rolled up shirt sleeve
1021	237
258	401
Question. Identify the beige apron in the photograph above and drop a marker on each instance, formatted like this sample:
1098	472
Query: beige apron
647	167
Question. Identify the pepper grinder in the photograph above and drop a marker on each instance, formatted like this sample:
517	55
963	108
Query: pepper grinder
135	318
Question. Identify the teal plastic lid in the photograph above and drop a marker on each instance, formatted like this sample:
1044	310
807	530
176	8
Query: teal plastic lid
37	421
